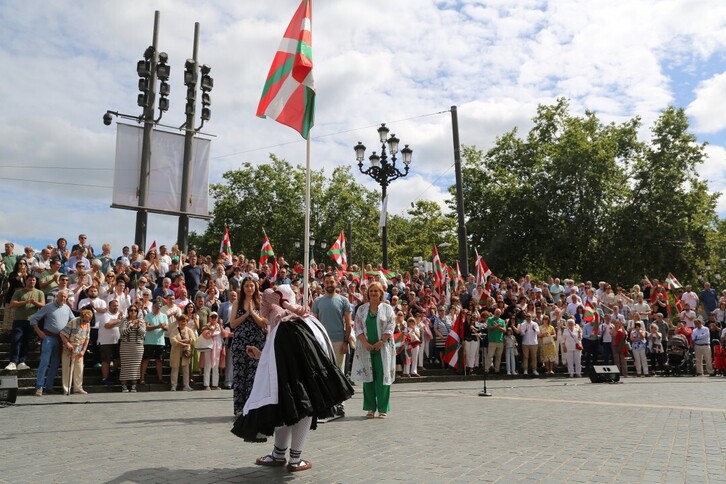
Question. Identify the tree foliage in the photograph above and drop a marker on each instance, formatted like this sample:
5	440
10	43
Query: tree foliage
580	198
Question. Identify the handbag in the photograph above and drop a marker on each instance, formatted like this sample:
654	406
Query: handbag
547	340
578	346
186	352
203	344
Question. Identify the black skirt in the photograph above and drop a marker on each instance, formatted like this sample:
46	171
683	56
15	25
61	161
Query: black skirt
309	385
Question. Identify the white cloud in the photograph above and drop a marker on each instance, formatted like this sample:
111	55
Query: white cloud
707	108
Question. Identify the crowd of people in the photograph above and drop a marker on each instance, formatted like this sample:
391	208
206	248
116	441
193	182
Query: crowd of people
120	313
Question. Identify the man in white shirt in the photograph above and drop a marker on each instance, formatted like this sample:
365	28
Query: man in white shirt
108	338
691	298
688	315
119	294
702	343
99	308
529	331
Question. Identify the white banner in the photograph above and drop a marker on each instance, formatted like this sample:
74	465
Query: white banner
165	171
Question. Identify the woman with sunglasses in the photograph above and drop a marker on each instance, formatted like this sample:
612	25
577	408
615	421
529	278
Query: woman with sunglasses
131	350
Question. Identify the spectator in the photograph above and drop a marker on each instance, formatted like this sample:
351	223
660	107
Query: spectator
25	302
156	324
702	344
638	340
548	335
510	350
181	352
620	347
530	335
496	328
249	330
108	338
75	337
572	348
655	349
131	349
374	363
471	341
212	331
709	299
56	316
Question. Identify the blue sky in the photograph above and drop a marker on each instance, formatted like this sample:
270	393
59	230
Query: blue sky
67	62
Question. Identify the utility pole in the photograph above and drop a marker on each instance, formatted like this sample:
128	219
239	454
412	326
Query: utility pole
463	250
190	110
149	106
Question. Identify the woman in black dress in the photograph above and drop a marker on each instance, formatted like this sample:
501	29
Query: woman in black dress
249	330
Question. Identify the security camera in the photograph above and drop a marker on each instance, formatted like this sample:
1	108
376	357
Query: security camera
107	118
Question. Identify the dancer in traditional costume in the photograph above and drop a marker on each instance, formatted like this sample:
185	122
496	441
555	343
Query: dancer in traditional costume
297	381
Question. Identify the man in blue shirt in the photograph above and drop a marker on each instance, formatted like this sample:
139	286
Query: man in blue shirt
156	324
56	316
709	299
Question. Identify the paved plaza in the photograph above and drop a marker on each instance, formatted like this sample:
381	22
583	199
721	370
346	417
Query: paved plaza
559	430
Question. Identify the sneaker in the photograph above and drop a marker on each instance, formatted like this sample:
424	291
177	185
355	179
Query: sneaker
23	366
173	388
509	373
187	389
535	373
124	389
39	392
97	365
11	366
133	389
524	373
106	382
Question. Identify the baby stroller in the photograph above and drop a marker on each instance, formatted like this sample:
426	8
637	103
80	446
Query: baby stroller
719	357
680	359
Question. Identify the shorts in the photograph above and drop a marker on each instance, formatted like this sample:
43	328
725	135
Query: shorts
153	352
109	352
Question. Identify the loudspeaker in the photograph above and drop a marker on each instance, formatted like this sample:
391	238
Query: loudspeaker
8	390
604	374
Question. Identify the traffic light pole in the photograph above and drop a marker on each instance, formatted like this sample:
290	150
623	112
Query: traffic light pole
142	213
183	231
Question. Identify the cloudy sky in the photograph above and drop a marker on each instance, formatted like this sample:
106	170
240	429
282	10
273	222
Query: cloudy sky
403	62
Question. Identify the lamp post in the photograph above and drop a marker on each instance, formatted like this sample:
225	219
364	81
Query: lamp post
384	171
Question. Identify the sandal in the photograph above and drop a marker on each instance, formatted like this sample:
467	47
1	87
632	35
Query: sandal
371	414
303	465
382	415
270	461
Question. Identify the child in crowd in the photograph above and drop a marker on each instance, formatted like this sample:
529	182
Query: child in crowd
510	351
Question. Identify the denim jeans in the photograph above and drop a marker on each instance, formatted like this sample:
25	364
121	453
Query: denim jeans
49	362
21	334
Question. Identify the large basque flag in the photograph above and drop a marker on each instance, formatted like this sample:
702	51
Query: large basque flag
289	93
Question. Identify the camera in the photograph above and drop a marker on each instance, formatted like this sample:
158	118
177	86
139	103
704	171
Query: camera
107	118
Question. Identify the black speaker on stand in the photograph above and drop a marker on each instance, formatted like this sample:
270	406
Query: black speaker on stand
604	374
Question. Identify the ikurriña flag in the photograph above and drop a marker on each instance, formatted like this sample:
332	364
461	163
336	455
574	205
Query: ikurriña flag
453	343
266	250
288	96
337	252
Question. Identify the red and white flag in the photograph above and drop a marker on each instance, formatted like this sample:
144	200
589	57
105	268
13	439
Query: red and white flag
226	246
454	342
337	252
671	283
288	96
266	250
438	269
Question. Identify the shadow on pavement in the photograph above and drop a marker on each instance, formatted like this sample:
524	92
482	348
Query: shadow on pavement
251	473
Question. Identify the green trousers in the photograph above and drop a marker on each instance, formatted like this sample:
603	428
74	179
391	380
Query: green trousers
376	395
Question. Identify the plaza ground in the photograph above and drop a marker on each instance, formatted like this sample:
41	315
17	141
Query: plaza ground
656	430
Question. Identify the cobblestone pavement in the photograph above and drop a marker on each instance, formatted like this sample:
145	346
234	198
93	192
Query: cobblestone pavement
644	430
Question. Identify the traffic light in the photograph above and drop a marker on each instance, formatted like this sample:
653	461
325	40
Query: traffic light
207	85
162	72
143	69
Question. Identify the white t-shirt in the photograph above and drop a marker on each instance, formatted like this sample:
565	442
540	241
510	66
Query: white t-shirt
97	304
529	331
689	317
690	298
108	336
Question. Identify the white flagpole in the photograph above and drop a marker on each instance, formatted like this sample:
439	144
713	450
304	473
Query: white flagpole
306	258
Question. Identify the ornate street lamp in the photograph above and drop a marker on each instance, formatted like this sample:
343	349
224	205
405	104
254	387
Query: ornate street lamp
383	170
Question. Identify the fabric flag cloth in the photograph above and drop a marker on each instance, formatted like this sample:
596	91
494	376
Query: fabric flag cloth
274	267
226	246
384	215
266	250
288	96
453	344
153	247
482	270
438	269
589	314
337	252
671	283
